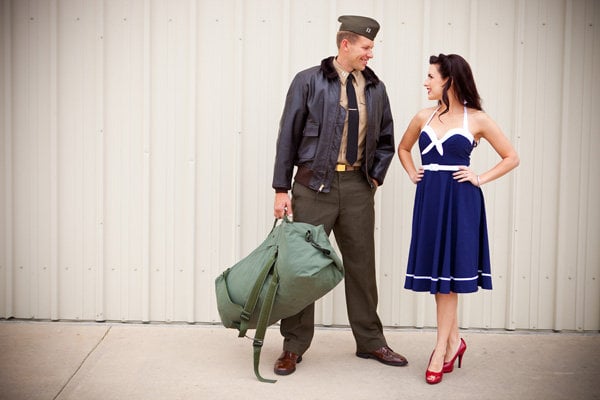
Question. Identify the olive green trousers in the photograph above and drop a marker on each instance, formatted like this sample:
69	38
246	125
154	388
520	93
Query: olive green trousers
349	211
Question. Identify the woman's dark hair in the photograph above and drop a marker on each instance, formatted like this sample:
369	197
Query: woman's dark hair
460	76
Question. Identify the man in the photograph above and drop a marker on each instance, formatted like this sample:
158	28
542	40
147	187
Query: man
337	128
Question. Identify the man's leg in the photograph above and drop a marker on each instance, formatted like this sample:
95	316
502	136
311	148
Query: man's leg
298	330
354	233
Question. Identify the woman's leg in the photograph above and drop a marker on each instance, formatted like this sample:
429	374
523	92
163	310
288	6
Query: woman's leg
447	329
453	338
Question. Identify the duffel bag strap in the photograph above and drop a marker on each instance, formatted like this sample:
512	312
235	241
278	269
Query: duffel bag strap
254	295
309	238
261	326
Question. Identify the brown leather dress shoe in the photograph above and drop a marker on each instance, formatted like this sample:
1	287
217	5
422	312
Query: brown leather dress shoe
386	356
286	363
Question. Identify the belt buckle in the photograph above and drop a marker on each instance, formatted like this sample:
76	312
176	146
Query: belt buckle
434	167
340	167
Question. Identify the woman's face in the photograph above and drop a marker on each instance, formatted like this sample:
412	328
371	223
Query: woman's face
434	83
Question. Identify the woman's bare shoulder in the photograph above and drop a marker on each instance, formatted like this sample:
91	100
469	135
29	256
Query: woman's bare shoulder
424	114
481	123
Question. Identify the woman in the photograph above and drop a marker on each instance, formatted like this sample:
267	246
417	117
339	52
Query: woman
449	251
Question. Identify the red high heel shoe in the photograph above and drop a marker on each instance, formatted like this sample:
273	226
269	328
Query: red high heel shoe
433	377
449	366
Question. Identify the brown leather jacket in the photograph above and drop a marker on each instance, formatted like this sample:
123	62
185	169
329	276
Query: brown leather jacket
311	127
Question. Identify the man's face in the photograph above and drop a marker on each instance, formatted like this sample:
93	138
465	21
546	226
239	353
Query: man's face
359	53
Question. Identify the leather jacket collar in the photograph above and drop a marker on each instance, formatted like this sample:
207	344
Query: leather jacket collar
331	74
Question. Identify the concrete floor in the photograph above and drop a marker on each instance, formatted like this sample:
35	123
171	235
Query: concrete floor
88	361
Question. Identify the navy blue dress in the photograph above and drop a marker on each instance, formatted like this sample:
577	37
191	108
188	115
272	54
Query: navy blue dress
449	249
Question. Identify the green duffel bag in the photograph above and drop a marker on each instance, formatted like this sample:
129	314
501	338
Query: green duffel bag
292	268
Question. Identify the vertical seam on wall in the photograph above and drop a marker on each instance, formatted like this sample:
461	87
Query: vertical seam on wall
146	128
54	217
33	128
8	229
591	27
100	183
512	268
563	197
582	210
192	64
171	165
238	105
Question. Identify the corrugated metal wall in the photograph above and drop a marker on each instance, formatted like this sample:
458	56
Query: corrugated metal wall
138	136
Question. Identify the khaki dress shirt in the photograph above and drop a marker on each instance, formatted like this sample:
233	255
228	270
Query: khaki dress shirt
362	113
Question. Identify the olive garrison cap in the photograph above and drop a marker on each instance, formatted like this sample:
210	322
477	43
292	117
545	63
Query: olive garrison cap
363	26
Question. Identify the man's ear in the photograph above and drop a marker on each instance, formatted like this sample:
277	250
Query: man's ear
344	44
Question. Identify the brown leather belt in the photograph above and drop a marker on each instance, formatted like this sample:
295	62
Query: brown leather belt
344	167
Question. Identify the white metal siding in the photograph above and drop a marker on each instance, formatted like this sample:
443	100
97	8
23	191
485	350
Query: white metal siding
138	136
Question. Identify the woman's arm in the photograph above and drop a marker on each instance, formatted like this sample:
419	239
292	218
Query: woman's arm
487	128
410	137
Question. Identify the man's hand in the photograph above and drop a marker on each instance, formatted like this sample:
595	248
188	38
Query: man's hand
283	205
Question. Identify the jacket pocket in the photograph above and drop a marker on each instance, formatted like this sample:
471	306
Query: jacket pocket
308	145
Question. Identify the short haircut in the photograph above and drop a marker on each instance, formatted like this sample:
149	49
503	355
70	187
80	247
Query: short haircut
350	36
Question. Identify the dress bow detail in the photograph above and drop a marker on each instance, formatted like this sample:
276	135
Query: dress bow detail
435	142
